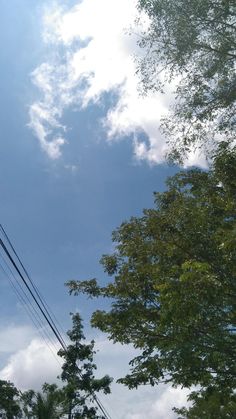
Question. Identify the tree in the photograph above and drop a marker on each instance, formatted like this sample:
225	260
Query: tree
194	42
78	373
211	403
9	400
45	404
173	292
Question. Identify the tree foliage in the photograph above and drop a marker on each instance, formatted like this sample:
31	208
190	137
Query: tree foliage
30	404
210	403
78	373
173	289
194	42
45	404
9	400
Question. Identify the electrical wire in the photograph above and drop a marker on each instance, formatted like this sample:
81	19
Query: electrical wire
31	313
40	297
101	407
41	304
32	294
28	304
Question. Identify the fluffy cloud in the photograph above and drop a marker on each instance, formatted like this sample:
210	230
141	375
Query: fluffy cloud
31	366
92	53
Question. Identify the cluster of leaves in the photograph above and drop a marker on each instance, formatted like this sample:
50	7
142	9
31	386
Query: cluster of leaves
173	291
194	42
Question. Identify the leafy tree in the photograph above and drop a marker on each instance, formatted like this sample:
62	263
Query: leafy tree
45	404
9	400
194	42
173	292
210	403
78	373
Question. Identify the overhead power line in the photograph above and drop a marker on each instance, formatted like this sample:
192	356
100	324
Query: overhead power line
40	297
41	305
30	310
57	335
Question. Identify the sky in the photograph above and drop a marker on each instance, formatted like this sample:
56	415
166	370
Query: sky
80	152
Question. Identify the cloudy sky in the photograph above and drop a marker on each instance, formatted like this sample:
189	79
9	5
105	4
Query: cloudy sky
80	152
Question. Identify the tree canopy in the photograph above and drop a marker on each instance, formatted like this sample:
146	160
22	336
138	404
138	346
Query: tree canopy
194	43
78	373
173	289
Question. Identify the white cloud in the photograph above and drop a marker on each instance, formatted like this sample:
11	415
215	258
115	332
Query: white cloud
45	114
31	366
94	54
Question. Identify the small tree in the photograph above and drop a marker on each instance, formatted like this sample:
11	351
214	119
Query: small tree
9	400
78	373
45	404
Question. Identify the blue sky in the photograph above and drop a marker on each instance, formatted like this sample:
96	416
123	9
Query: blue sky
80	152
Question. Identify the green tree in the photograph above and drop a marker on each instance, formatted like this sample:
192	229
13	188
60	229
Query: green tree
210	403
194	42
78	372
9	400
173	292
45	404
